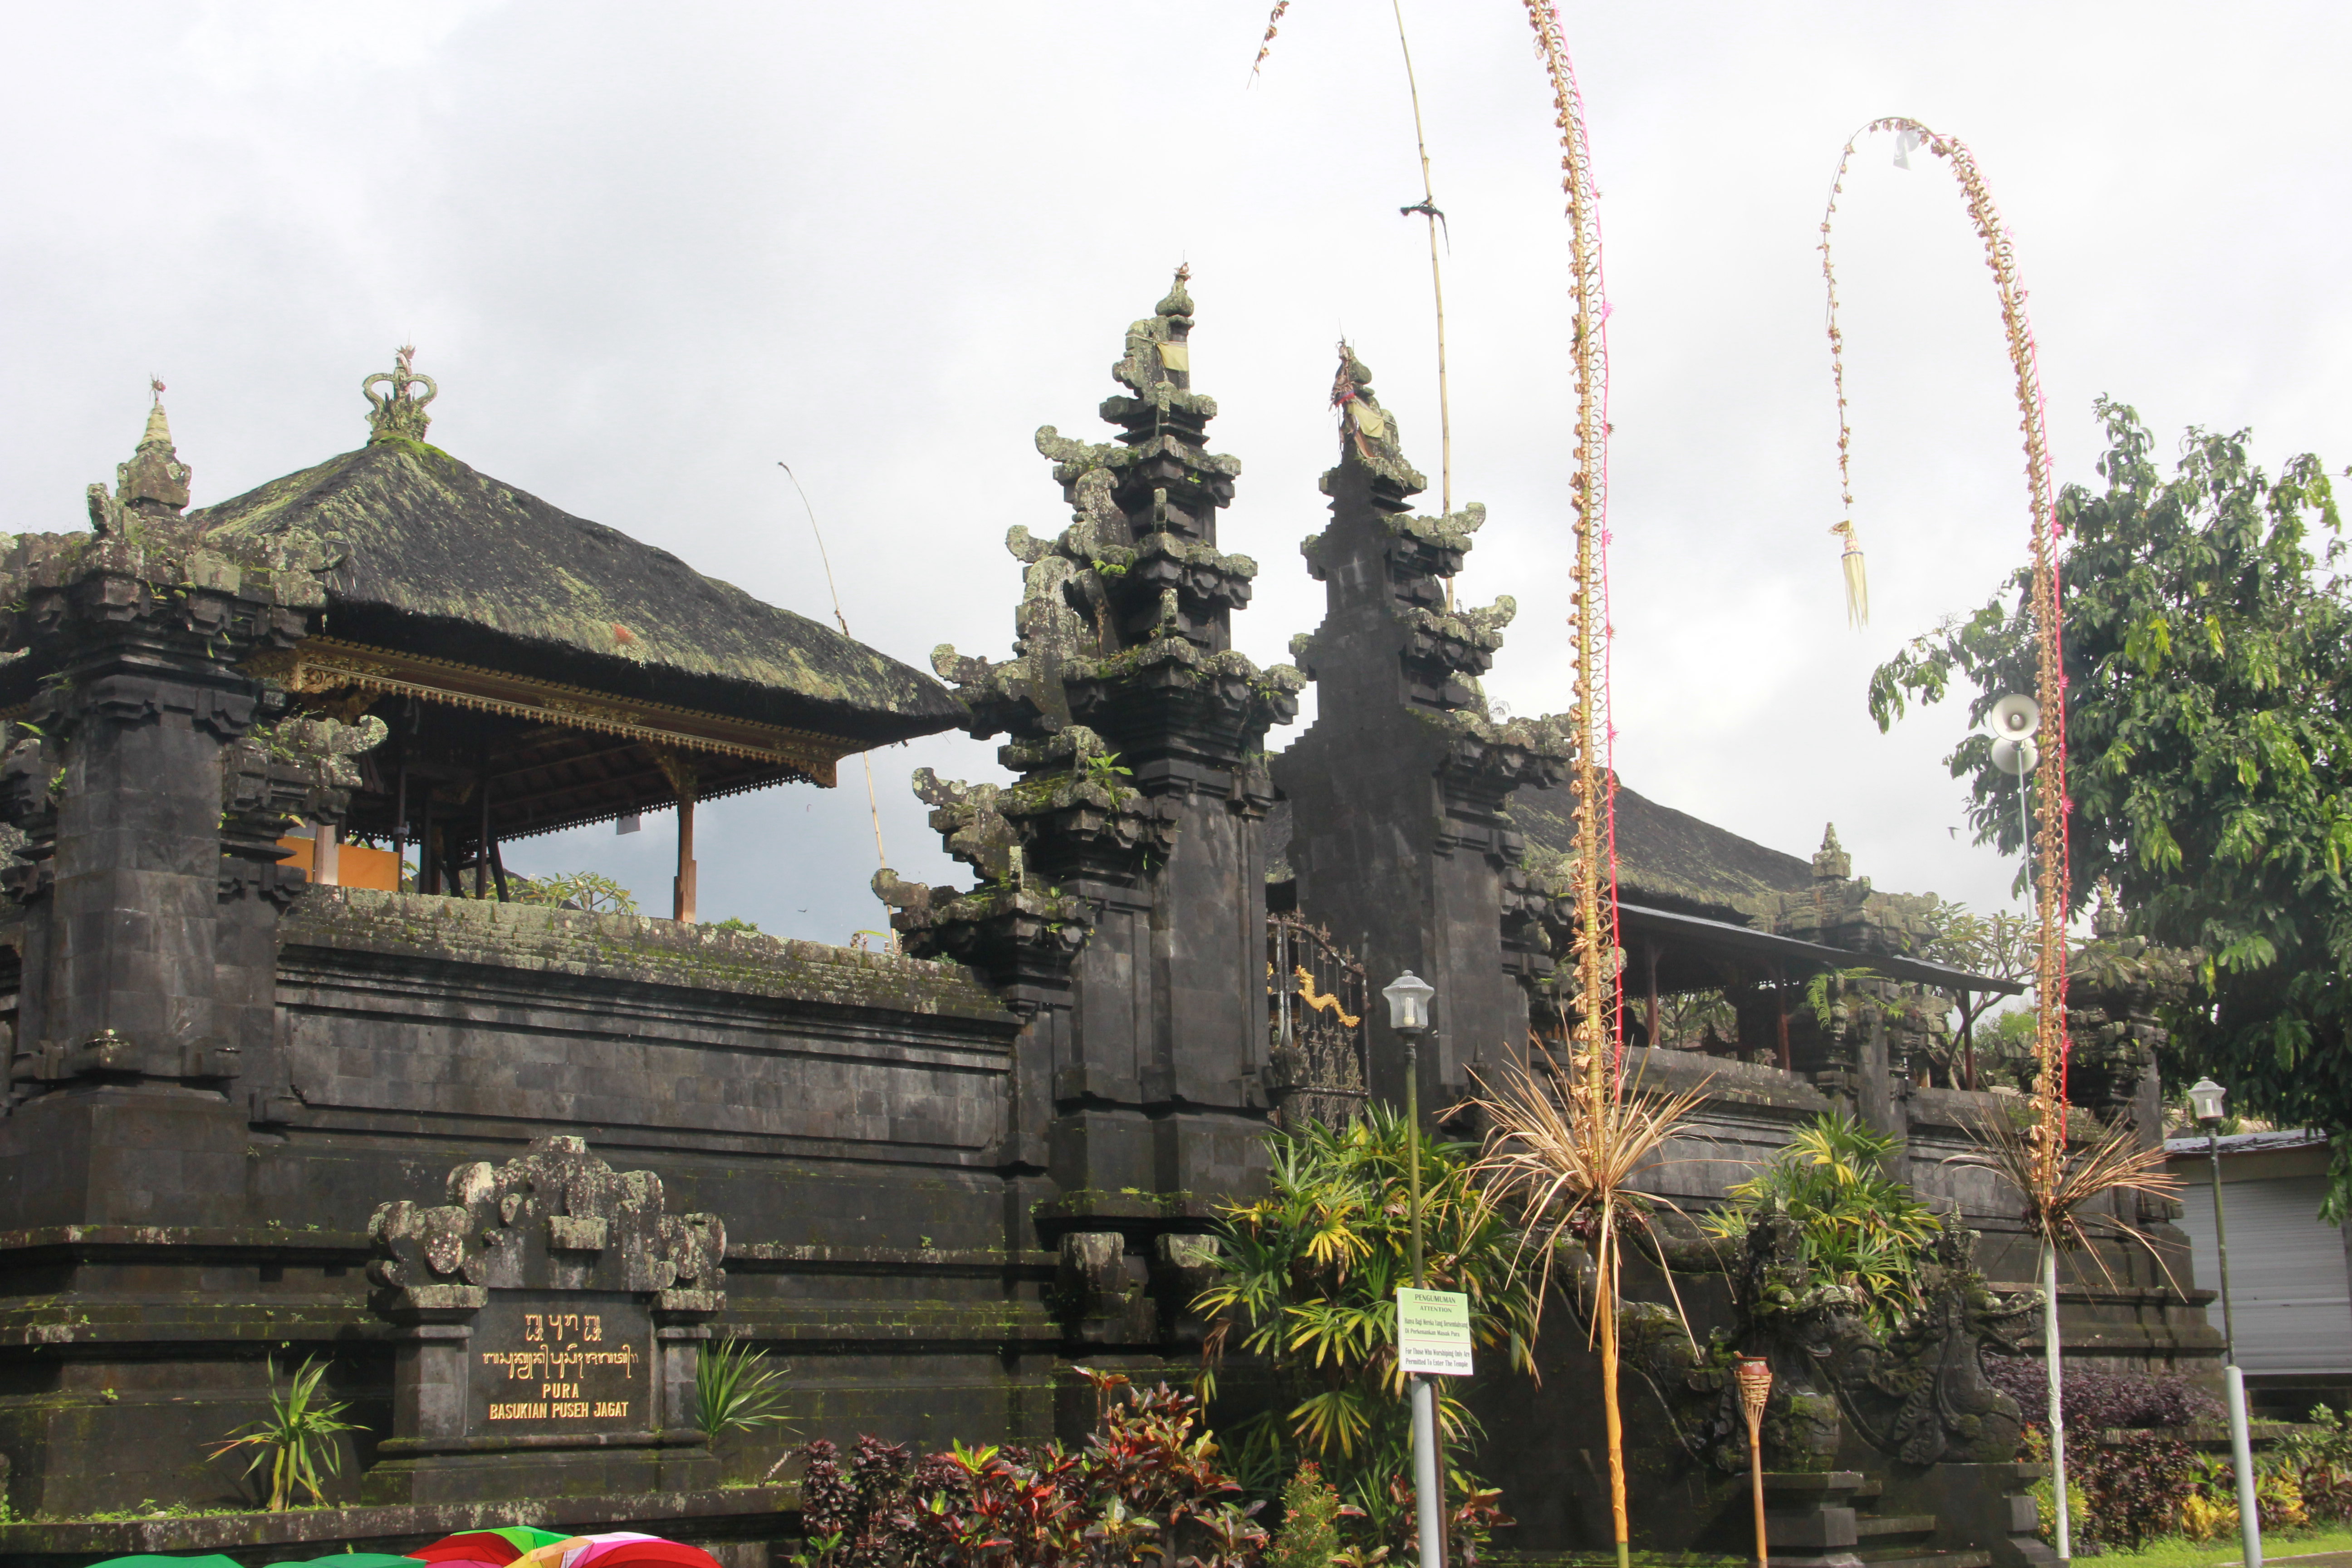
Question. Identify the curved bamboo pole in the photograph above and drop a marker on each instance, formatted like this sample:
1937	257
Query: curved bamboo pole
2046	1166
1593	785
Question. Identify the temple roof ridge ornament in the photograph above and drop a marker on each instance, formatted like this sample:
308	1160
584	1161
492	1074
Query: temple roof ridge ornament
399	413
1370	431
1135	587
1830	862
154	481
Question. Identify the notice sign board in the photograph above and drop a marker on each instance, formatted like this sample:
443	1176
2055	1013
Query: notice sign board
1434	1331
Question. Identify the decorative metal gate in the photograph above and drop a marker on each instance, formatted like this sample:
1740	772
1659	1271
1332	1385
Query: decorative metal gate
1315	1007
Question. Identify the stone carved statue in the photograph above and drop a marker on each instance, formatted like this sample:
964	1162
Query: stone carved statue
1918	1394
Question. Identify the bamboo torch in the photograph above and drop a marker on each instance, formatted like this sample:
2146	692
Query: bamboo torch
1754	1376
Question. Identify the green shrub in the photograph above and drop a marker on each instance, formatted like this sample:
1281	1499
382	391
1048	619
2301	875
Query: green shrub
1861	1228
1310	1537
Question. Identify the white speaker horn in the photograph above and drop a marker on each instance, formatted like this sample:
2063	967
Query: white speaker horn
2015	758
2016	716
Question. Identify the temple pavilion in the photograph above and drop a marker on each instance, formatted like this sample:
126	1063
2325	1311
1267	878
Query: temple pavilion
538	671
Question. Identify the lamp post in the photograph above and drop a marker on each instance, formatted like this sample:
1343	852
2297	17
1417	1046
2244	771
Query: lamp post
1408	998
2206	1098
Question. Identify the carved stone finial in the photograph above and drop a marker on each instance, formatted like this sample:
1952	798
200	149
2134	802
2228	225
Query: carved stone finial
399	415
2108	919
1179	301
1831	863
154	480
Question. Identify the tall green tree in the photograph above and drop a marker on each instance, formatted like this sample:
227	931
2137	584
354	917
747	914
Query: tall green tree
2209	661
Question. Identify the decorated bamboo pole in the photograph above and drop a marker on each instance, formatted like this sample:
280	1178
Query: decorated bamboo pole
1615	1134
1593	785
2045	1182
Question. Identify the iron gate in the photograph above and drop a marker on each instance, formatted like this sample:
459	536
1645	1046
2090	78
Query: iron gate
1315	1018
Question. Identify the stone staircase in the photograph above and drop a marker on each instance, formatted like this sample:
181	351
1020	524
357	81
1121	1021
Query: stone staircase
1983	1517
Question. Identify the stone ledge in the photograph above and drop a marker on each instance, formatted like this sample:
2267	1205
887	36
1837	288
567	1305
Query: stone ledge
338	1244
779	1257
629	948
737	1512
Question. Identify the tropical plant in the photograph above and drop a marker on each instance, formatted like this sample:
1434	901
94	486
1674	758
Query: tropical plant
2320	1456
1147	1485
1306	1279
1562	1156
1861	1228
1309	1536
590	891
2133	1490
296	1439
735	1389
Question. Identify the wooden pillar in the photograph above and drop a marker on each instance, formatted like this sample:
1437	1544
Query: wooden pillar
400	824
482	865
1780	1018
1652	955
1968	1042
682	887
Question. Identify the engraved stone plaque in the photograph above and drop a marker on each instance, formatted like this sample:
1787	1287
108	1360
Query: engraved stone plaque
560	1361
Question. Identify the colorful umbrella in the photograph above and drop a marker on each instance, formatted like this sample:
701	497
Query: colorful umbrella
617	1549
215	1559
488	1548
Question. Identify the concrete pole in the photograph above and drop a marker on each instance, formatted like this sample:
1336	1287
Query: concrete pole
2053	1356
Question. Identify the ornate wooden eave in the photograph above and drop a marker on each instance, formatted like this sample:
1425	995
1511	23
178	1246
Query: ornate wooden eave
320	665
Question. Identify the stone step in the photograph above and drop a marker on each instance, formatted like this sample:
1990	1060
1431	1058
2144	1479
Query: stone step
1871	1525
1916	1559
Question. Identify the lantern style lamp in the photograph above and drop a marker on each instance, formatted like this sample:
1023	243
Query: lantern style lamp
1408	998
2208	1099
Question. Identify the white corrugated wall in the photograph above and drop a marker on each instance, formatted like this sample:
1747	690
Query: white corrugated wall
2288	1282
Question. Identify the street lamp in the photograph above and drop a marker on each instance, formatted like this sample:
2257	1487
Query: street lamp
2206	1098
1408	998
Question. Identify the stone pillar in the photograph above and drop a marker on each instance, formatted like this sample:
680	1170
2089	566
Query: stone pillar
1134	832
1397	792
137	1014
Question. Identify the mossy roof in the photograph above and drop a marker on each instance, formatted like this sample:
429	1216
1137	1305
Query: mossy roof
1669	858
447	561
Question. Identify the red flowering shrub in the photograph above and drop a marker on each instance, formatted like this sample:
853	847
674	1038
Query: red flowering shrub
1144	1487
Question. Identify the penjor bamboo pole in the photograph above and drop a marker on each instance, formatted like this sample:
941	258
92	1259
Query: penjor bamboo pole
1588	782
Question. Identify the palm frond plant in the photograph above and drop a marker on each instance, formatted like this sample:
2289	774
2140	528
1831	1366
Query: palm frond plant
296	1439
1861	1228
1562	1157
1306	1279
735	1389
2062	1186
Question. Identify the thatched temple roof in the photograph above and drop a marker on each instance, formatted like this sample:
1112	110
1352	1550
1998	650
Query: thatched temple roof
1669	858
447	563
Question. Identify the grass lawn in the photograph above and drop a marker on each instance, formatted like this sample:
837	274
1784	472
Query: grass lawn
2178	1552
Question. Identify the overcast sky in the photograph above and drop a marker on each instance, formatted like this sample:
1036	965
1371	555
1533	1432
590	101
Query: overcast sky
649	251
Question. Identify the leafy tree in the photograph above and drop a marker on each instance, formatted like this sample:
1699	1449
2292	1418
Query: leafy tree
1306	1281
1999	944
1861	1228
2208	659
591	891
